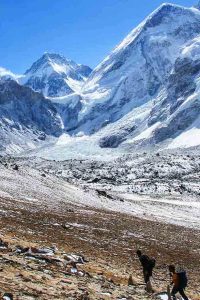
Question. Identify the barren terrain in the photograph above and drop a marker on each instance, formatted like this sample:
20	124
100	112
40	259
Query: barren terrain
40	209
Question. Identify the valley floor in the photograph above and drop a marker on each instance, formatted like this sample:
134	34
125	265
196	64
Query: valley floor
40	208
108	240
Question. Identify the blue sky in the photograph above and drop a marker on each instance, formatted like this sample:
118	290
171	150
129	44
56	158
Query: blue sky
82	30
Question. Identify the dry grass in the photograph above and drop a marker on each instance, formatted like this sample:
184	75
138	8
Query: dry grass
107	239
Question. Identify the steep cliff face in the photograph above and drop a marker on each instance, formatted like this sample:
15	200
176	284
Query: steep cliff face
146	92
136	71
26	117
172	119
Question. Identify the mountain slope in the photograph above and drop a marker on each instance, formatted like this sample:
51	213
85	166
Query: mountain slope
55	76
145	94
26	118
136	71
176	111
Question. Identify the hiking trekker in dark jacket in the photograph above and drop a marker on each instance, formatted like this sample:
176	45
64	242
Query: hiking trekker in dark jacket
148	264
179	281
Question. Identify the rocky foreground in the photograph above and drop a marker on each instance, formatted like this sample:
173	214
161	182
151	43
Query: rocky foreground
107	241
45	220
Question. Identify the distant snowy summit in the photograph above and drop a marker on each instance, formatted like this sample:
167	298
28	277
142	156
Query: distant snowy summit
52	75
55	76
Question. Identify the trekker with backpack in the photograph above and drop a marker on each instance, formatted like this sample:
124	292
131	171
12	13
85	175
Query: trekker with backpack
179	281
148	264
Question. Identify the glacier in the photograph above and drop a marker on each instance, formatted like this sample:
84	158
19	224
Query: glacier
144	95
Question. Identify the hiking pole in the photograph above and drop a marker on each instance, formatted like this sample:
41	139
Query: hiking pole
168	287
169	292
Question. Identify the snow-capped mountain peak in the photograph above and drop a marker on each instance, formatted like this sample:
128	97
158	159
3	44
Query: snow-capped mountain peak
144	94
55	62
55	76
138	91
160	16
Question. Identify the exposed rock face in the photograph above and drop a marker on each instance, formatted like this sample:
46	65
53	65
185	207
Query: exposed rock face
69	111
25	115
25	107
144	94
56	85
145	82
138	68
176	111
28	115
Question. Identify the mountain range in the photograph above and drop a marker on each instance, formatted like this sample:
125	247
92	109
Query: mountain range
144	95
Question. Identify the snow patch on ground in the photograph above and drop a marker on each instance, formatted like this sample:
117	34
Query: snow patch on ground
189	138
147	133
29	184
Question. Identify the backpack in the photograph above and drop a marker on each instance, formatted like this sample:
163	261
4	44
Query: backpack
183	279
147	262
152	263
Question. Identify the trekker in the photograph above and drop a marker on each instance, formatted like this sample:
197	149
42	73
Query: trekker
179	281
148	264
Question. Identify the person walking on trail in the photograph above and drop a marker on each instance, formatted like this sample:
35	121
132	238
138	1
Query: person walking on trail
179	281
148	264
